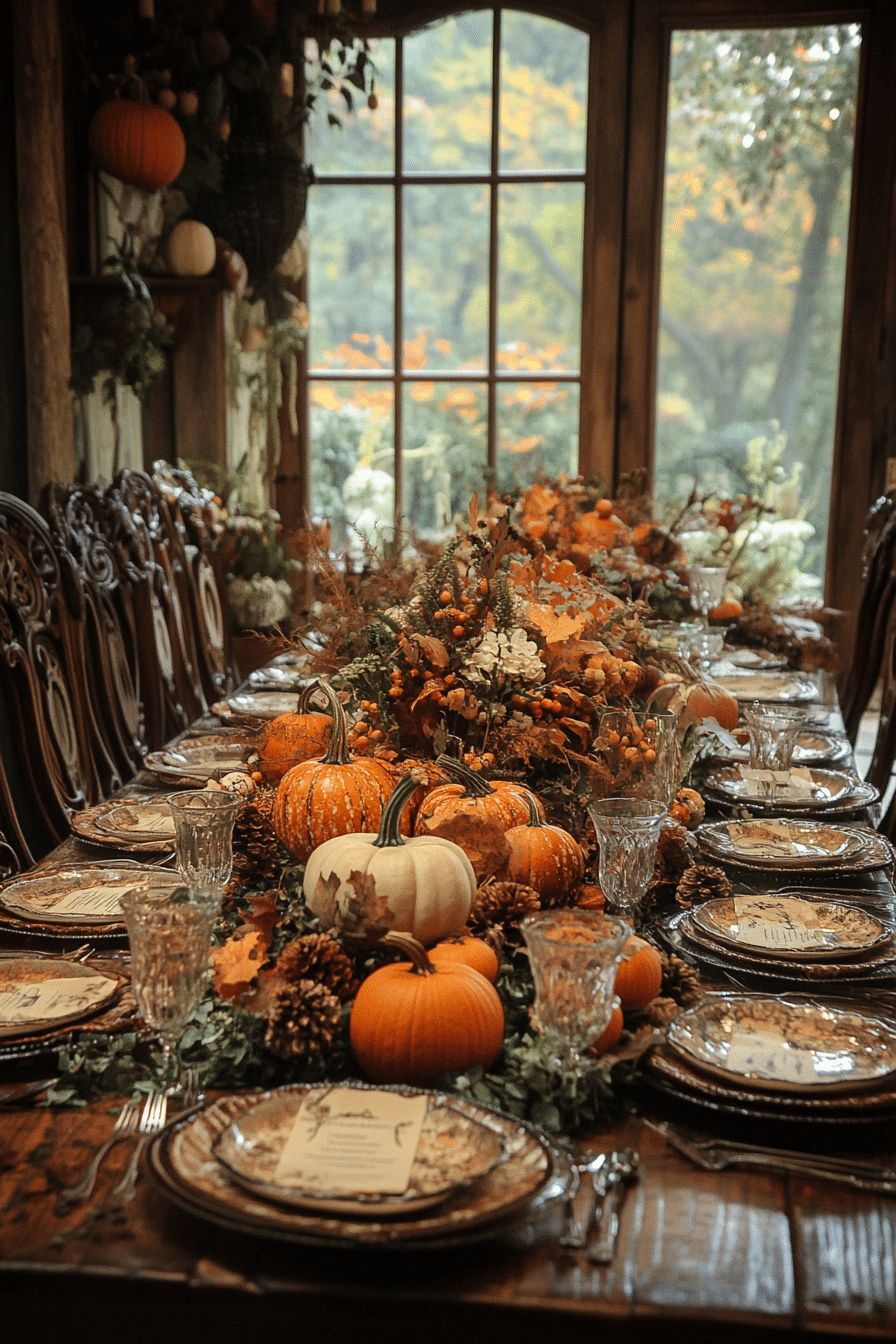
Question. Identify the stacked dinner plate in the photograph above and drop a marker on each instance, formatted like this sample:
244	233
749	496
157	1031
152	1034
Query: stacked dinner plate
472	1175
781	1059
77	902
42	998
795	845
801	790
784	939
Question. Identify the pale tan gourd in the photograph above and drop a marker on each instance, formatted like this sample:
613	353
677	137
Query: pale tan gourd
428	883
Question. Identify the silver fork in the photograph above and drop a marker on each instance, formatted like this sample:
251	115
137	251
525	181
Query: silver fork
125	1126
795	1164
853	1166
623	1168
155	1113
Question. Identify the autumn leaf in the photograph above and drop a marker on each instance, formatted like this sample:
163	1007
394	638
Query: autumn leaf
556	629
326	904
363	915
482	839
474	509
237	964
433	649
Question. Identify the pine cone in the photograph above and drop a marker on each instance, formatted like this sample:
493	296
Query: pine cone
256	850
319	958
302	1021
672	854
680	981
660	1012
504	904
702	882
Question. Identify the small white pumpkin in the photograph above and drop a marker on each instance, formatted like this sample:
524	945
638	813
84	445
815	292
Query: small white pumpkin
191	248
428	883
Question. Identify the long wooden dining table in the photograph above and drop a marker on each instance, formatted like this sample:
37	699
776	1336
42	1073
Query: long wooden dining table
758	1255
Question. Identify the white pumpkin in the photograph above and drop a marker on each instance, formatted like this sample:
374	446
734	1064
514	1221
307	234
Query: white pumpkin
191	248
427	883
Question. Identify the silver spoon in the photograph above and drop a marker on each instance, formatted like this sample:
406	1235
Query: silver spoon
575	1229
622	1168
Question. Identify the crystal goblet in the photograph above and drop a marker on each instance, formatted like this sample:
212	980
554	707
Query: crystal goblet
642	750
773	731
706	584
574	955
203	825
627	831
170	937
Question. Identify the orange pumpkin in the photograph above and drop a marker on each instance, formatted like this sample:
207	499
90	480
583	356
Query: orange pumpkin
139	143
601	530
727	610
468	951
640	974
610	1035
694	701
412	1023
544	857
688	808
504	802
336	795
291	738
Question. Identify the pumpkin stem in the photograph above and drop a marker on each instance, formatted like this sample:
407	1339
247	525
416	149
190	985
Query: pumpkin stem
389	832
406	943
337	752
308	693
474	785
535	818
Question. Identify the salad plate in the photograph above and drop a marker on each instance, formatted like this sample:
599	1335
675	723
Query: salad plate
769	924
131	838
771	687
453	1151
197	764
790	1044
801	788
257	704
38	994
83	896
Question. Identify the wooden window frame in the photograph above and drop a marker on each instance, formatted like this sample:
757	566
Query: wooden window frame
625	163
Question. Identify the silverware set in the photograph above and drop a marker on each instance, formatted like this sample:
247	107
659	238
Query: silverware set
131	1122
611	1174
720	1154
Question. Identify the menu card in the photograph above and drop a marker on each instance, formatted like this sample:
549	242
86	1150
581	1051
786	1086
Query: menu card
786	838
777	922
767	1055
100	901
795	783
43	1000
351	1141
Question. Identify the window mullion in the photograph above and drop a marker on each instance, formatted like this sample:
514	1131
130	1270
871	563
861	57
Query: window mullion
398	263
492	416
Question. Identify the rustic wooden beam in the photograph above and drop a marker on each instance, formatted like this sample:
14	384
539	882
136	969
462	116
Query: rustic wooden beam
37	47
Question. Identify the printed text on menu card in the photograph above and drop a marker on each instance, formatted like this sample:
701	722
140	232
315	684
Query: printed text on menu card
353	1140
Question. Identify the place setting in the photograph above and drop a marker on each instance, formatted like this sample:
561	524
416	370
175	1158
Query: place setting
44	998
77	901
795	844
781	1059
786	939
192	766
794	789
138	824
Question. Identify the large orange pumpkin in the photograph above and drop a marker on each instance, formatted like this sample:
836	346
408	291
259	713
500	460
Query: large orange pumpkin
412	1023
291	738
504	802
139	143
544	857
336	795
640	974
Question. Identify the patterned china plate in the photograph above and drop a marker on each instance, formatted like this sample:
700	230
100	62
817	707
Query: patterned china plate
806	788
41	993
771	687
150	820
276	678
786	844
86	826
789	1045
258	704
80	894
770	925
182	1159
186	765
454	1150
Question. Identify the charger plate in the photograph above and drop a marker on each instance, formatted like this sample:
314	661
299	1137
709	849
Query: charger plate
453	1152
182	1160
187	766
257	704
79	898
771	687
800	929
790	1045
41	994
812	747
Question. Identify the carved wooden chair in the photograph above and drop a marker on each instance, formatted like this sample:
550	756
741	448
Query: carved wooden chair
877	601
206	593
46	753
79	520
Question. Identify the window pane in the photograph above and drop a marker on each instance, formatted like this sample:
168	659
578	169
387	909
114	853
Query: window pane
538	432
544	94
444	460
540	270
446	276
351	277
364	141
758	164
352	464
447	98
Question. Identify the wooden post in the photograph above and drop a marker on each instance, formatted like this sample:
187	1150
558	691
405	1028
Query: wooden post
37	47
